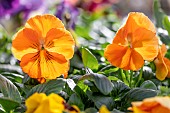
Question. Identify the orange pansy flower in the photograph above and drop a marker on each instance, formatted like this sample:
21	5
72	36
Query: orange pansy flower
135	42
44	47
152	105
162	64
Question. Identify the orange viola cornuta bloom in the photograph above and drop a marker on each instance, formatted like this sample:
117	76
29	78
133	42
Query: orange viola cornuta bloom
152	105
44	47
162	64
133	43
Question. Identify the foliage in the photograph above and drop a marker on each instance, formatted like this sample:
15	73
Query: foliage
92	81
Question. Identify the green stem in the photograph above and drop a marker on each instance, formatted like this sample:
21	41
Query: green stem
123	76
131	76
140	77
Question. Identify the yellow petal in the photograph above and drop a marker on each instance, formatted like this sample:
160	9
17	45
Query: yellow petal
24	42
103	109
43	23
33	102
60	41
57	98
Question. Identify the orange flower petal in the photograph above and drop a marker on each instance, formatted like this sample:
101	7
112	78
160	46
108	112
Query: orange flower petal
145	43
60	41
167	62
123	57
136	61
152	105
30	64
24	42
161	68
137	110
163	49
114	54
42	24
138	20
120	37
52	64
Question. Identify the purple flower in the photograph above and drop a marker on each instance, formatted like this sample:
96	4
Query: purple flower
67	12
8	7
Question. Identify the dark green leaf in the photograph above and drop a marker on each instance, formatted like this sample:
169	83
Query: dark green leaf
100	100
89	60
52	86
76	100
91	110
102	82
119	89
9	90
136	94
148	85
8	104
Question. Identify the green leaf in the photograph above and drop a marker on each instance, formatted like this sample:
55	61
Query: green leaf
148	85
136	94
13	77
76	100
158	14
166	24
164	91
100	100
52	86
9	90
102	82
91	110
8	104
89	60
119	89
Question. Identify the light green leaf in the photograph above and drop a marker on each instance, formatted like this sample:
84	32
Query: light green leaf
9	90
52	86
8	104
158	13
166	24
89	60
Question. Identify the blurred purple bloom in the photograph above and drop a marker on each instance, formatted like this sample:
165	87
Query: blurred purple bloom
12	7
8	7
67	12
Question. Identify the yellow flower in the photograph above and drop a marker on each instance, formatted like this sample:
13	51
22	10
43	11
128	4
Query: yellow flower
162	64
44	47
152	105
40	103
103	109
133	43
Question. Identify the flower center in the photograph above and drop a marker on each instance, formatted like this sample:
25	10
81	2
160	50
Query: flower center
129	40
42	45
